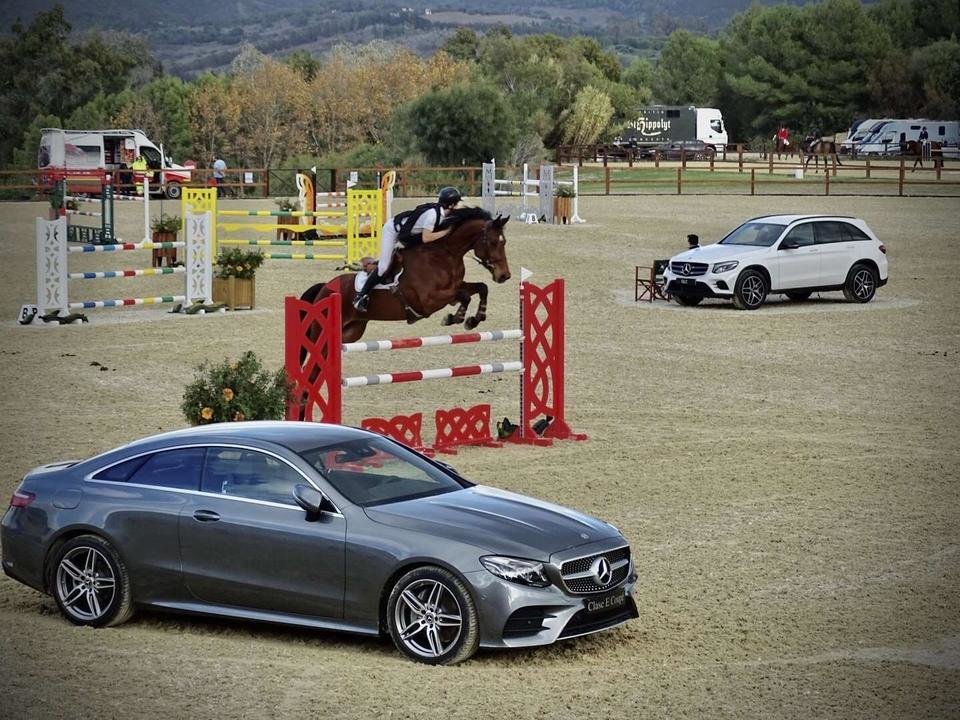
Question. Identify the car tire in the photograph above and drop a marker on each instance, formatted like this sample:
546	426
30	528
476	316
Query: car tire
750	290
861	284
174	191
688	300
90	583
799	296
432	618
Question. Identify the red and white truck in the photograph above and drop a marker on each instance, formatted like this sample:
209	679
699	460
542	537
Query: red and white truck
86	158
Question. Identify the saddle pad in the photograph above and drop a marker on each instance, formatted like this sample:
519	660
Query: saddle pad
361	278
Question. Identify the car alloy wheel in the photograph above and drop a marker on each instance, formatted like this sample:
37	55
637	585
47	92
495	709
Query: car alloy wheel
750	291
90	583
861	284
432	617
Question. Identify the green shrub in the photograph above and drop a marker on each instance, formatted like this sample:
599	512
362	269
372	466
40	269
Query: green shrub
164	223
235	391
564	191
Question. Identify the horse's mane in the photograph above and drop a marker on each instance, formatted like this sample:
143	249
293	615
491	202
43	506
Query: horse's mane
461	215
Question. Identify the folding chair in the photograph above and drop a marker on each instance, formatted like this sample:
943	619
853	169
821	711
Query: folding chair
648	282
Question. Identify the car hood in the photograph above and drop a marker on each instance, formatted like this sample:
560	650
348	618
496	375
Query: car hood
717	252
497	521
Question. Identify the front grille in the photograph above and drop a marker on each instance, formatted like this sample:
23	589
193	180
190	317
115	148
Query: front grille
695	268
578	576
583	622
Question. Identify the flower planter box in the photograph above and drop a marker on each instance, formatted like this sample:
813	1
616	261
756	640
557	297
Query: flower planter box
235	292
562	210
161	254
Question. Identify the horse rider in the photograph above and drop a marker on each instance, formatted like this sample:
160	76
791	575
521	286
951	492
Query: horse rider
783	136
422	224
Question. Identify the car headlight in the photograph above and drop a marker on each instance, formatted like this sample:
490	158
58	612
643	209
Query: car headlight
524	572
725	266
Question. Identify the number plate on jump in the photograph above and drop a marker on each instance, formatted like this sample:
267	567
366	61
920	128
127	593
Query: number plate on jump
606	602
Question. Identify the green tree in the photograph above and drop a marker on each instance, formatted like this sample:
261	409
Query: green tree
304	63
802	66
688	71
464	124
462	45
589	117
935	71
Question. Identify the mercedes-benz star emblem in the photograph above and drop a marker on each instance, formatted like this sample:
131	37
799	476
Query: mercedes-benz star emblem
602	571
686	269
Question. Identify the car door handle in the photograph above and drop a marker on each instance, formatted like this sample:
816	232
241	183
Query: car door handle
206	516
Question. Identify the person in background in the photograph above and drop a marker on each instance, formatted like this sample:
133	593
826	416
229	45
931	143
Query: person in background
924	136
693	242
422	224
219	171
139	167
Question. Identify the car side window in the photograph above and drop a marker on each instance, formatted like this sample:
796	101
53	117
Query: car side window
828	232
177	469
852	232
251	475
121	472
802	235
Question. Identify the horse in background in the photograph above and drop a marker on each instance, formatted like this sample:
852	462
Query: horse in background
914	149
430	277
783	147
815	147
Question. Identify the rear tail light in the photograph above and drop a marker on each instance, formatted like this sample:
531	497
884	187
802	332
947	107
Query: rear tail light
22	498
883	248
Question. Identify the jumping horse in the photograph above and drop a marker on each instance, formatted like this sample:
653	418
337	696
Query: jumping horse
814	147
429	277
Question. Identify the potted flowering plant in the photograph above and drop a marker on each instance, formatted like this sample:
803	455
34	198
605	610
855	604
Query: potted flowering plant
563	203
235	391
234	277
286	205
165	228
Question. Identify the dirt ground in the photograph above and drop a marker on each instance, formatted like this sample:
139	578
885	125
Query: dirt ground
788	480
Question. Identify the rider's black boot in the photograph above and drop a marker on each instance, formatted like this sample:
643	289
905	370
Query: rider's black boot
362	298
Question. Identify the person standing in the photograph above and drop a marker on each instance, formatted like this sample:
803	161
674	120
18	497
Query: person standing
422	224
924	136
219	172
139	167
693	242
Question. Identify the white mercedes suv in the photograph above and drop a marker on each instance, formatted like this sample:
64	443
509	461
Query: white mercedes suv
791	254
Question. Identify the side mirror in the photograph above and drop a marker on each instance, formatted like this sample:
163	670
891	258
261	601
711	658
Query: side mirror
310	499
789	245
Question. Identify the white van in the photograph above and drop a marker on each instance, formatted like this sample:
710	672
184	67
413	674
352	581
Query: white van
110	151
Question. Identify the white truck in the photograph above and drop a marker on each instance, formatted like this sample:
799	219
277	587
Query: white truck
83	157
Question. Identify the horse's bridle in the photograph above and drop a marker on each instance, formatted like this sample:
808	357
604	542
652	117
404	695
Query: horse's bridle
483	240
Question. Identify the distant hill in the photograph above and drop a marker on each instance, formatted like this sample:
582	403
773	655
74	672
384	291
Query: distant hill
190	37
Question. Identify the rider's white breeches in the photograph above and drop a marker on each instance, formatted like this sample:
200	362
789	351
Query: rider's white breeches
388	238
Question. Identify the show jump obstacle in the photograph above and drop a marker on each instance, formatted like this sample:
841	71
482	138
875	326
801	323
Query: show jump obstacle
318	380
358	236
53	275
543	189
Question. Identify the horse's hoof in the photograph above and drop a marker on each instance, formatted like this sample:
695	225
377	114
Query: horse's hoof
451	320
471	323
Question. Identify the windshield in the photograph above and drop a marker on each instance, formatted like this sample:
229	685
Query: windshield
374	471
757	234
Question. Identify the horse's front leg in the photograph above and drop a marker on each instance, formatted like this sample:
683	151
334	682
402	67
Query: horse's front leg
480	289
463	297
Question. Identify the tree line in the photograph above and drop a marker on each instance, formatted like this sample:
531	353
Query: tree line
496	94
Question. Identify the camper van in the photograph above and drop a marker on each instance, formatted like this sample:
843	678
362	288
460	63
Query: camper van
78	155
859	132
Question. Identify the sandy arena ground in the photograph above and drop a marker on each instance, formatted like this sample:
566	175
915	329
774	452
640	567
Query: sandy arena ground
788	479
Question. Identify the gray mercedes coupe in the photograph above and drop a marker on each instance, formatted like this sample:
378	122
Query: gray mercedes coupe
314	525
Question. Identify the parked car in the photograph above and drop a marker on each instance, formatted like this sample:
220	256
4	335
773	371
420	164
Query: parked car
680	149
319	526
791	254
